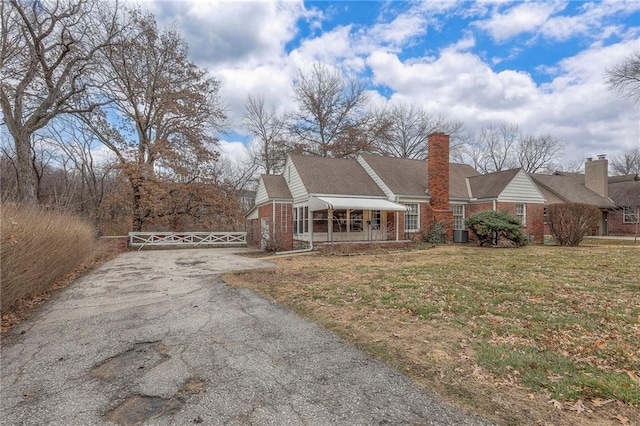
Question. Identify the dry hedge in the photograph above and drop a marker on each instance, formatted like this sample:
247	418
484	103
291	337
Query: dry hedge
39	247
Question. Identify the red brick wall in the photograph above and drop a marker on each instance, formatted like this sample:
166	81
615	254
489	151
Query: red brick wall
616	225
281	235
535	216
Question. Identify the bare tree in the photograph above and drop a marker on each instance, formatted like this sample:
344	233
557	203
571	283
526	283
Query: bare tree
504	146
624	77
328	111
626	163
538	153
269	130
494	148
163	111
47	55
403	131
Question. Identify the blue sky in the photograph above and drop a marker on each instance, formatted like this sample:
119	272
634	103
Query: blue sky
538	64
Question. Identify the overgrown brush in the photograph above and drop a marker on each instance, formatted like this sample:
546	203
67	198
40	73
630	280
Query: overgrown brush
39	247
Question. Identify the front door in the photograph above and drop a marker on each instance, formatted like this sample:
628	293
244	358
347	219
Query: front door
603	228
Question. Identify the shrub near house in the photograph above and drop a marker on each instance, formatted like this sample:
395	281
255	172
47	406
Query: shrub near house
496	227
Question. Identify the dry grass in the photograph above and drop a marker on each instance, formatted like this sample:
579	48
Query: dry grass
538	335
38	248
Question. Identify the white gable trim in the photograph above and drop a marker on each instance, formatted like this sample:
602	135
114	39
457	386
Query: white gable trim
521	189
294	181
377	179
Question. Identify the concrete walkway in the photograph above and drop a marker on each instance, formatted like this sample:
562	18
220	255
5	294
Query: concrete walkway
154	337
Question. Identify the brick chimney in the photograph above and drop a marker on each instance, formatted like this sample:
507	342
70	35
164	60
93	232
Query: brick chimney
438	171
596	175
438	182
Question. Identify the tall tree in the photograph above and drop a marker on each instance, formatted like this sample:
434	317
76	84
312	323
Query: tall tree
47	56
328	109
626	163
163	110
404	131
624	77
268	129
537	153
501	146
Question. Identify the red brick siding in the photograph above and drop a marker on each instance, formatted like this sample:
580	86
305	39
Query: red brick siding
280	225
364	245
616	225
534	213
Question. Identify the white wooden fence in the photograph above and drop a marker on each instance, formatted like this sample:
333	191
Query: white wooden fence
142	239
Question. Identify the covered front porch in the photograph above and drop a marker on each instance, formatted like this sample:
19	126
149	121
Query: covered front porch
347	219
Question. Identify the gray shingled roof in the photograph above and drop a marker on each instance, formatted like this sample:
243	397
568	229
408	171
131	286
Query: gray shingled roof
625	193
340	176
491	185
410	177
623	178
276	187
570	187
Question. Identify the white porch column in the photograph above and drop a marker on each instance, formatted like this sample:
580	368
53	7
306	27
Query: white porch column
310	225
330	225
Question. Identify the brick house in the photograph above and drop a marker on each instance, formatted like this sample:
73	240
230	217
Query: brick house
624	191
332	202
617	197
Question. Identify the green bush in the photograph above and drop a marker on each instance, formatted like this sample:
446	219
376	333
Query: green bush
496	227
39	247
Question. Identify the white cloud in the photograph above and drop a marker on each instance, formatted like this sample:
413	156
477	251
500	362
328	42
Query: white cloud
233	32
575	106
526	17
234	151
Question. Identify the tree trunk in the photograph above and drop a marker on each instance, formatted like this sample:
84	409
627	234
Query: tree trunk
138	219
26	176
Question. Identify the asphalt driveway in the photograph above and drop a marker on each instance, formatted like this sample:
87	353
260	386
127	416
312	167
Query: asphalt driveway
155	337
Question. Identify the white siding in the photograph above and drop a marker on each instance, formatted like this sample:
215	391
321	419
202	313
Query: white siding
296	186
376	178
521	189
261	193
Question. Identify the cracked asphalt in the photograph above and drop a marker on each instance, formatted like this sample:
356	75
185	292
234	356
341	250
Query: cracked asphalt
155	337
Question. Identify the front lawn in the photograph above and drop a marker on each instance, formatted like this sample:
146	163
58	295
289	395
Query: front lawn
536	335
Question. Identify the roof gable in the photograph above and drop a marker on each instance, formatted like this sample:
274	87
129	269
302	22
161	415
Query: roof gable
491	185
521	188
276	187
339	176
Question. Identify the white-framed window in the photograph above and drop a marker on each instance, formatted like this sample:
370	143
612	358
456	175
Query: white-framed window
521	213
412	217
300	222
630	214
458	216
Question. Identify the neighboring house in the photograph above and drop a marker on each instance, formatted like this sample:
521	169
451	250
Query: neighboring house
625	192
615	196
383	200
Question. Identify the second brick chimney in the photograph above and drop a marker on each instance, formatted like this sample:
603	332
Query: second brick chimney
596	175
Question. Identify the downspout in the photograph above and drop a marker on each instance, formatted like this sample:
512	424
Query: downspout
308	249
495	205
